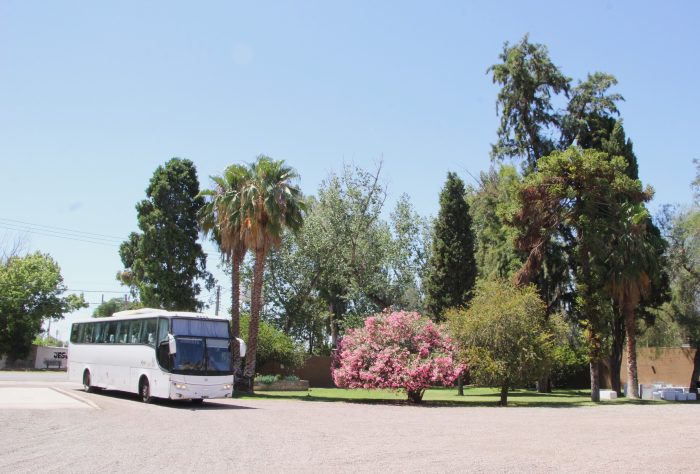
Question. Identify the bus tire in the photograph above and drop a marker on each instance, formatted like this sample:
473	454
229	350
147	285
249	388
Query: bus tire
87	382
145	390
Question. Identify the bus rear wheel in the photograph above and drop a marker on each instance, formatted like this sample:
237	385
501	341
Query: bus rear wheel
87	383
145	391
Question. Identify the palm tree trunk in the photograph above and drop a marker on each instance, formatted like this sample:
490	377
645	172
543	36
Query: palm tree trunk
255	306
629	306
594	362
618	342
236	315
696	371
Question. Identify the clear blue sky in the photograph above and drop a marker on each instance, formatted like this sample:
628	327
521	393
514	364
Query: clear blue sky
95	95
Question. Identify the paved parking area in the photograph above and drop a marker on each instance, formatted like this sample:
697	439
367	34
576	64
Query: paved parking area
124	435
40	398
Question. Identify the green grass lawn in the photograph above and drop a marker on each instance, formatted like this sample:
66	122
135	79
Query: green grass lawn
473	397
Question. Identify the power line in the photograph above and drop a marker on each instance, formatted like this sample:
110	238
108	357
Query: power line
49	234
97	291
53	228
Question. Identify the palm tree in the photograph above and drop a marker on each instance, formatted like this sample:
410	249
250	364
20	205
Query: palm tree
221	218
270	203
633	259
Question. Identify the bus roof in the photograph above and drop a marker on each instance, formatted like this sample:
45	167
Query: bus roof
152	313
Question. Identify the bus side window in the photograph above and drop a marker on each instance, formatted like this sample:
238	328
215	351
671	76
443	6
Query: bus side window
122	332
74	331
162	330
110	332
86	333
148	332
162	350
97	332
134	331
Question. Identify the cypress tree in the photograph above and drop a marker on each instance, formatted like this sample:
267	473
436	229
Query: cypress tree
452	266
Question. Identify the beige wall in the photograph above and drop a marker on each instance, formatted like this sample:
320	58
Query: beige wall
671	365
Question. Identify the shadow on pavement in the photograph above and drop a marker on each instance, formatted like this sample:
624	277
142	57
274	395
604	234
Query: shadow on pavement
175	404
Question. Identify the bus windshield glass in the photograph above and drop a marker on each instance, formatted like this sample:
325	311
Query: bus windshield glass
194	327
202	347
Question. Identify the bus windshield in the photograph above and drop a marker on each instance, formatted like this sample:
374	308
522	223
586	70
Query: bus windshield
196	355
202	347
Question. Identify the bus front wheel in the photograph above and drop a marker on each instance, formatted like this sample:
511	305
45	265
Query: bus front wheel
87	383
145	391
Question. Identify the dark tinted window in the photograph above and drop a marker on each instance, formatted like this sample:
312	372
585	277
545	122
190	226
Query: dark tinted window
196	327
74	330
110	333
148	332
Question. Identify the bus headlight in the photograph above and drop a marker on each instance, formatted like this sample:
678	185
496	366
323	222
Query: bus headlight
180	386
228	386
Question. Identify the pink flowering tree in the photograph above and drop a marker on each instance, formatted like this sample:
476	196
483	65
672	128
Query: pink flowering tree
396	350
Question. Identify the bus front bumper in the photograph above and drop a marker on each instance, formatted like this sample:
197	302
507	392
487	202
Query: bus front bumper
185	390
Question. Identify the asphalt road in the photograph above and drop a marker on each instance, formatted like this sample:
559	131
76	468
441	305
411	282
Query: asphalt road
113	432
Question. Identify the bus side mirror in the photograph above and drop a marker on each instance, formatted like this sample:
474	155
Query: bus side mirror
171	344
242	347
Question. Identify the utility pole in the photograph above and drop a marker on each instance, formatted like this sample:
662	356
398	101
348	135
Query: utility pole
218	299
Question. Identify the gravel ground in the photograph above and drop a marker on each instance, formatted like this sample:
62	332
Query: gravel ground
116	433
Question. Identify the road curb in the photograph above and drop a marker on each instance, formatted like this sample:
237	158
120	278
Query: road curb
89	403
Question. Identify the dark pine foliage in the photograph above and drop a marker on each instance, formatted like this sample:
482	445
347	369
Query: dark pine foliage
452	266
164	263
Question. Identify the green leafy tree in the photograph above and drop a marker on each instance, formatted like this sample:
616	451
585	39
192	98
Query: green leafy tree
681	227
114	305
270	203
503	335
274	346
221	218
48	341
31	289
528	80
347	262
587	192
164	264
452	267
490	205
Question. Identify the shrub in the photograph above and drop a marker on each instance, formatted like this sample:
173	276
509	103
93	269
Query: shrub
274	345
398	351
503	336
266	379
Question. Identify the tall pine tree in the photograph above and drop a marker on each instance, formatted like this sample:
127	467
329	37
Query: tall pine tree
164	263
452	267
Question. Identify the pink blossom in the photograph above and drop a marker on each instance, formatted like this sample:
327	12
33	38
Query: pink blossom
396	350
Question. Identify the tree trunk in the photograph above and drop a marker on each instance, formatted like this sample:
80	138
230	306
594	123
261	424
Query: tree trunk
544	384
594	361
334	326
460	385
415	396
696	371
595	381
618	341
629	306
255	306
236	318
503	402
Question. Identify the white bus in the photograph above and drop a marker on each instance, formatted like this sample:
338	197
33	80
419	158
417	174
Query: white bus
154	353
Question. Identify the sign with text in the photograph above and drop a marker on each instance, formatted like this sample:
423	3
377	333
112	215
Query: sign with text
51	358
